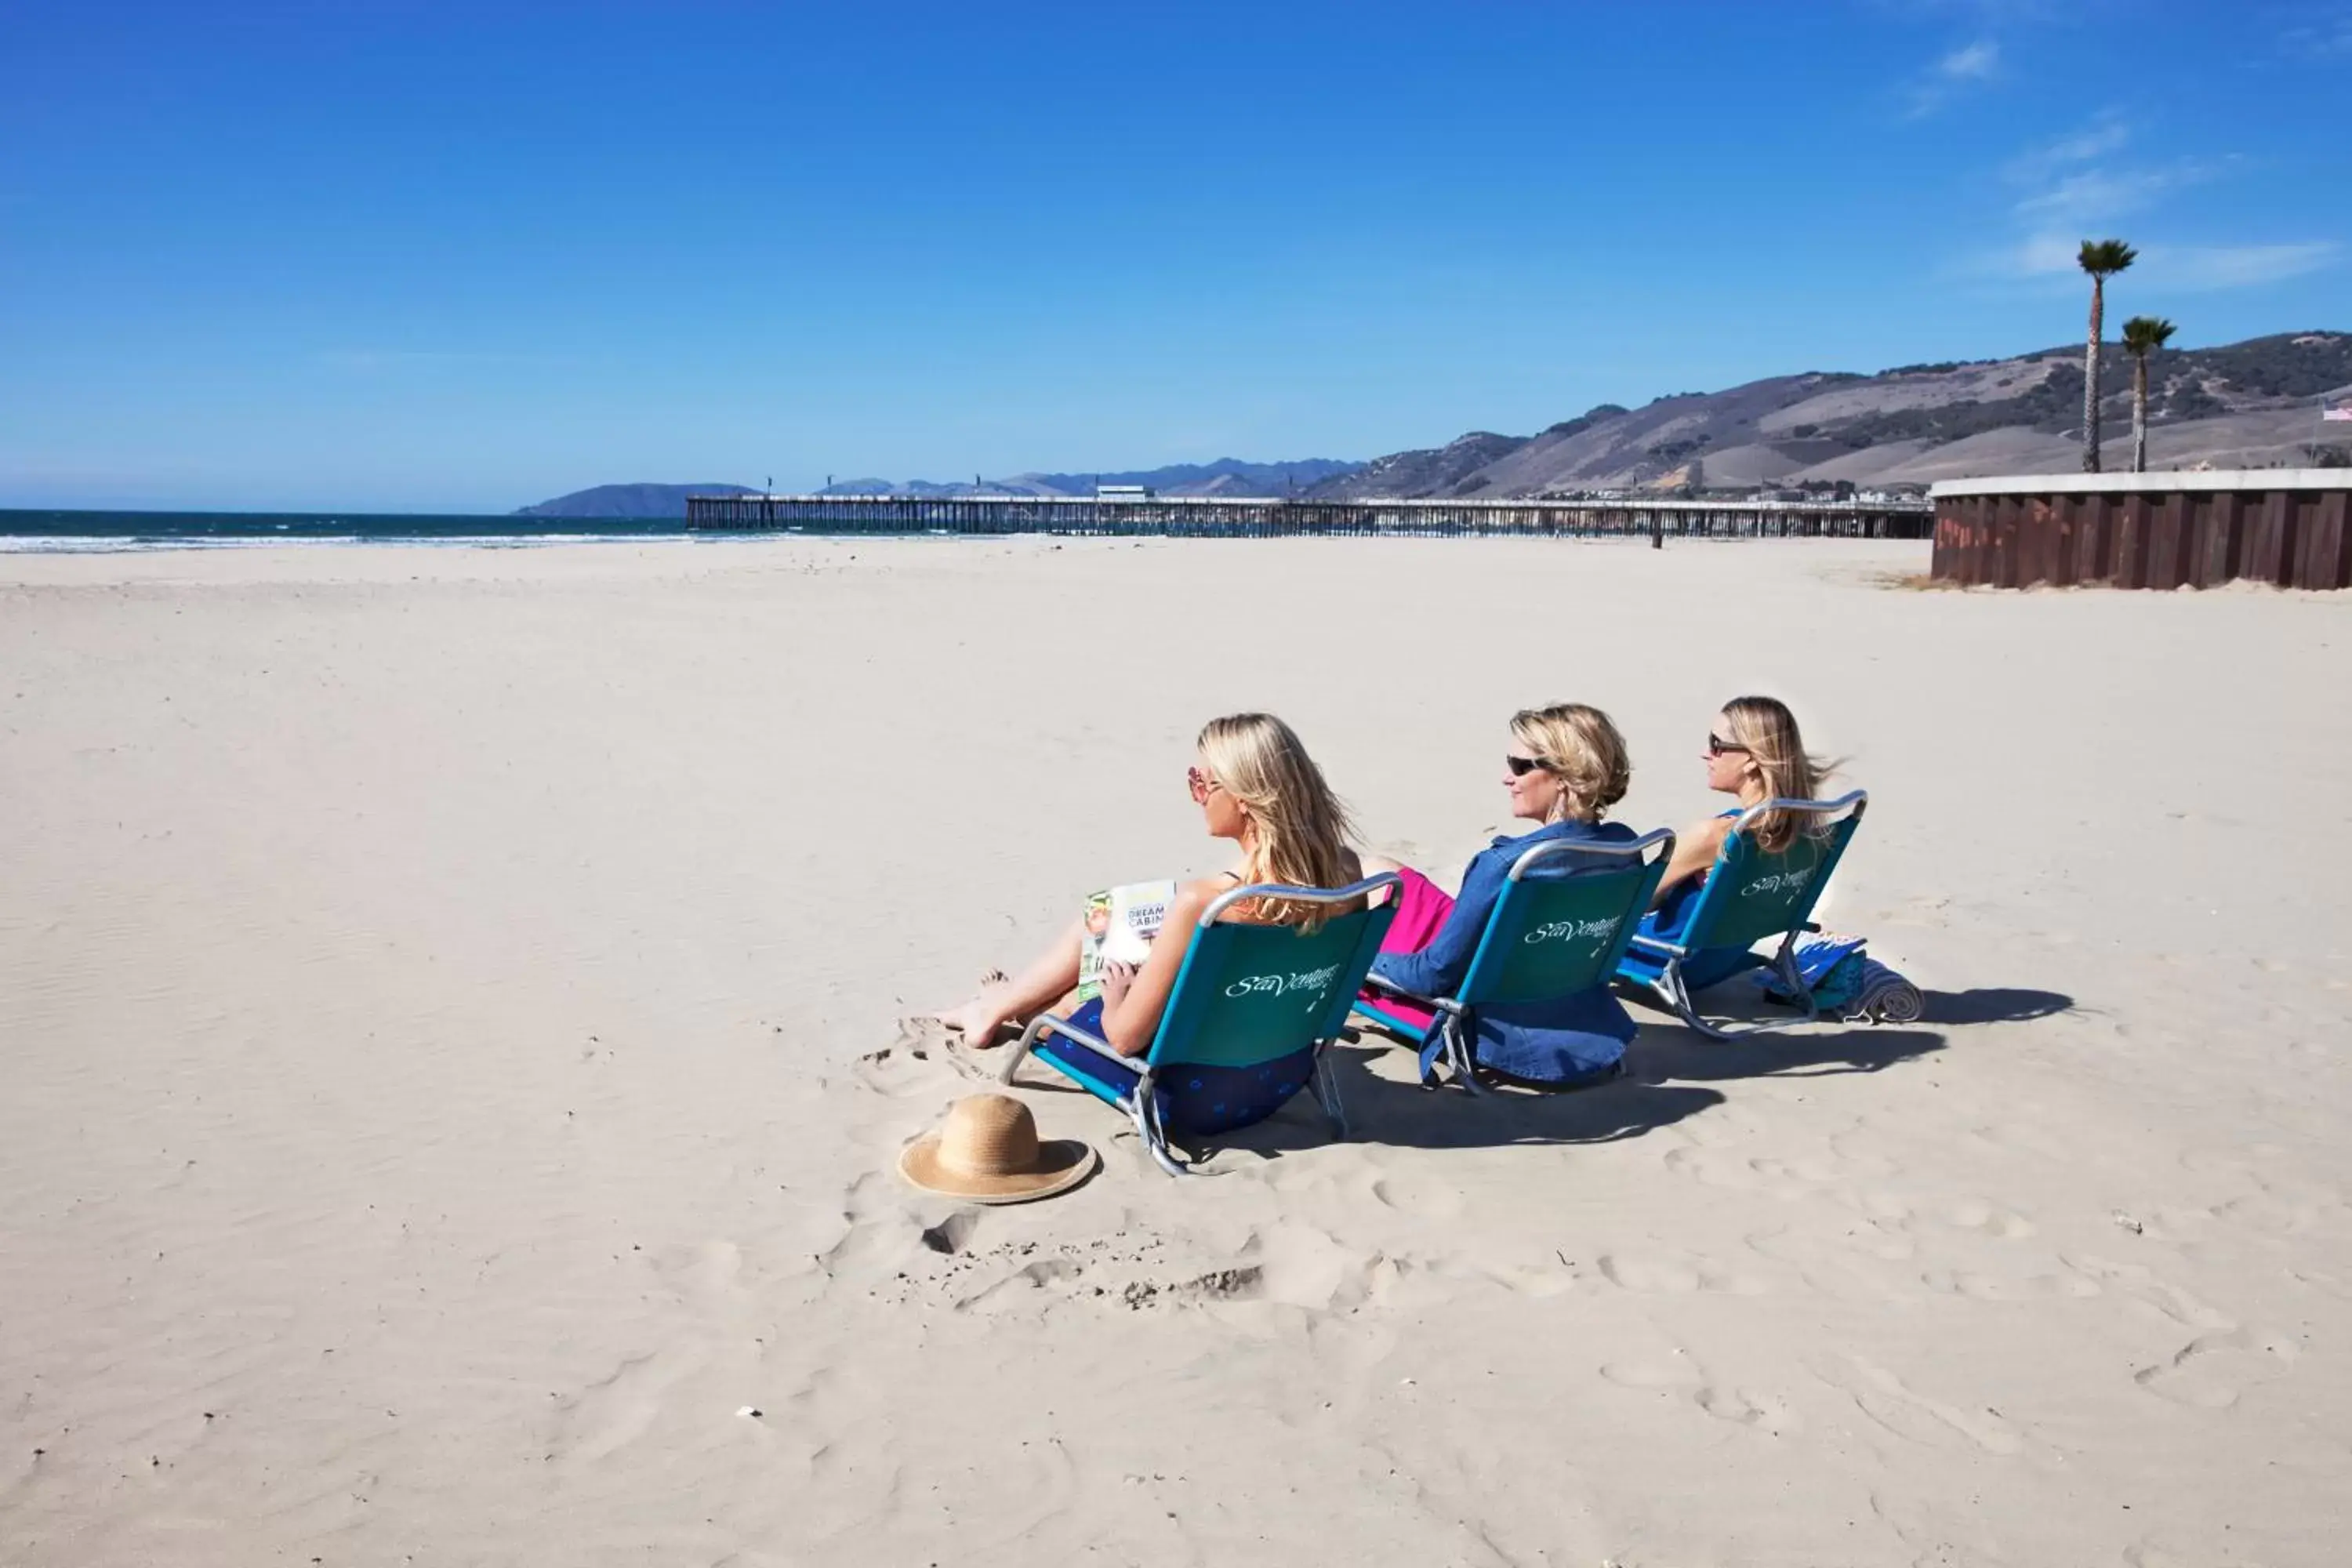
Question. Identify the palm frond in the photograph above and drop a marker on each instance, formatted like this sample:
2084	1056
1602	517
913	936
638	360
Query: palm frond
2106	258
2145	335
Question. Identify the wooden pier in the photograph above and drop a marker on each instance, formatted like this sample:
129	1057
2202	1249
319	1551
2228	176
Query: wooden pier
1222	517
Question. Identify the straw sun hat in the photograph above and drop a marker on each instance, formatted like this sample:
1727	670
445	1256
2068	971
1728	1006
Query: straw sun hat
988	1153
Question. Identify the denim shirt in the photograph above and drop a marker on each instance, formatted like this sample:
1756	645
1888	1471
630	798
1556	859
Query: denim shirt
1563	1039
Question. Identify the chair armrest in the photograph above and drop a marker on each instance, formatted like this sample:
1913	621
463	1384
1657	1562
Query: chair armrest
1048	1023
1652	945
1391	988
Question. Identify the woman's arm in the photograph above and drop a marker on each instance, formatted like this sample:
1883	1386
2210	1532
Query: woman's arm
1695	848
1133	1000
1439	969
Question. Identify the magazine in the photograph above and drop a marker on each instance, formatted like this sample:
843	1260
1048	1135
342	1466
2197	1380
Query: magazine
1119	925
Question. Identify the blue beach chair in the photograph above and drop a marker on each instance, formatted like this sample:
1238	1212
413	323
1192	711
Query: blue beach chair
1244	1026
1749	896
1559	929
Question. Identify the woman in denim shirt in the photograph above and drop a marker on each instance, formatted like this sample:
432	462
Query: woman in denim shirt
1565	767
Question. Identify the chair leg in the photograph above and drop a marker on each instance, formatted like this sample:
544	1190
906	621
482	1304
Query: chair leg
1675	991
1784	964
1327	1091
1671	985
1019	1053
1459	1051
1143	1108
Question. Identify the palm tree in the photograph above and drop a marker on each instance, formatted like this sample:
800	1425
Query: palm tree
2143	335
2102	258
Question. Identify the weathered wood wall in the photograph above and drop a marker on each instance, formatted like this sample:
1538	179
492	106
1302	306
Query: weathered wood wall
2146	537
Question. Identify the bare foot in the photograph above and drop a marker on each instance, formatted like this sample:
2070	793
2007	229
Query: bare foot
979	1020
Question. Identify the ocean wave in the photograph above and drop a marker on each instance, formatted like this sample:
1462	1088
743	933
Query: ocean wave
113	544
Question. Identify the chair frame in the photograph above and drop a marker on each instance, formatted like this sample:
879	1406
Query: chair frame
1139	1103
1670	987
1457	1015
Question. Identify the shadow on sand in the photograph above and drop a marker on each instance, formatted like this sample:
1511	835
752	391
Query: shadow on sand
1994	1005
1666	1068
1815	1050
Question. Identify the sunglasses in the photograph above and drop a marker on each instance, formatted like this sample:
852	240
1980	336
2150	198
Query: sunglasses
1520	766
1200	784
1717	745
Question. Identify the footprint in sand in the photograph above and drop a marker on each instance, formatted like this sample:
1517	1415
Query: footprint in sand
1727	1170
1675	1374
2279	1205
706	1272
1857	1157
1746	1408
2211	1371
1679	1375
2006	1142
1917	1417
879	1229
903	1067
1726	1126
617	1410
1981	1215
1662	1274
1018	1287
1846	1267
1977	1215
1416	1195
2266	1212
1996	1288
2138	1283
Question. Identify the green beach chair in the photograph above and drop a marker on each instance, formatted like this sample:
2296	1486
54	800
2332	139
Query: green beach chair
1244	1027
1559	929
1749	896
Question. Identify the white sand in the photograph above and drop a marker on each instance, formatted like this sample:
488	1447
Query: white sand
433	985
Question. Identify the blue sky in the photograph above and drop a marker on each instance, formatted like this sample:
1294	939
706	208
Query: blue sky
390	255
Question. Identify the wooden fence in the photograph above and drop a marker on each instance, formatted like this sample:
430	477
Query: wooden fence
2286	527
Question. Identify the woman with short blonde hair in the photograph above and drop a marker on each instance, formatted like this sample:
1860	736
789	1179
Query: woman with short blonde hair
1564	766
1580	748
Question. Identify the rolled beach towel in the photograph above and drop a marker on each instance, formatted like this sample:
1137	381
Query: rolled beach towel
1885	997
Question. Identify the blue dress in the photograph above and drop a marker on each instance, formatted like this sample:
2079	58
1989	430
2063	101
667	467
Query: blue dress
1562	1042
1196	1099
1708	965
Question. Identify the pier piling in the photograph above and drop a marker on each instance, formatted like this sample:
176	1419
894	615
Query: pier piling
1222	517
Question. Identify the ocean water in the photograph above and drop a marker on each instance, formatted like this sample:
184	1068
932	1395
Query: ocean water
84	531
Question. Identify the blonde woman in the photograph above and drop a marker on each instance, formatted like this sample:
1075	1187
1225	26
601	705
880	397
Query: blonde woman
1563	767
1255	786
1755	753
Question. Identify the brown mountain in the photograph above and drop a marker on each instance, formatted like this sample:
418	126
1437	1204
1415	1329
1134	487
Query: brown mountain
2248	405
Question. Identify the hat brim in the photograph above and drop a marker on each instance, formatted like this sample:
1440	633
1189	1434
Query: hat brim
1062	1163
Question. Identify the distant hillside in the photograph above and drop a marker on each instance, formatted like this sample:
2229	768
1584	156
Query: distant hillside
2248	405
1226	475
628	501
1431	471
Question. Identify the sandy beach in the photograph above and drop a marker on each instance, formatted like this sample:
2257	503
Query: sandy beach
450	1007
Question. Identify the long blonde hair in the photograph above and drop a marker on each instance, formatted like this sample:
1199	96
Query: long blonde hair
1765	726
1300	828
1581	747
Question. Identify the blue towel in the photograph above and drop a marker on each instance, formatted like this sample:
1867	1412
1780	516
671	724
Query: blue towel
1848	984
